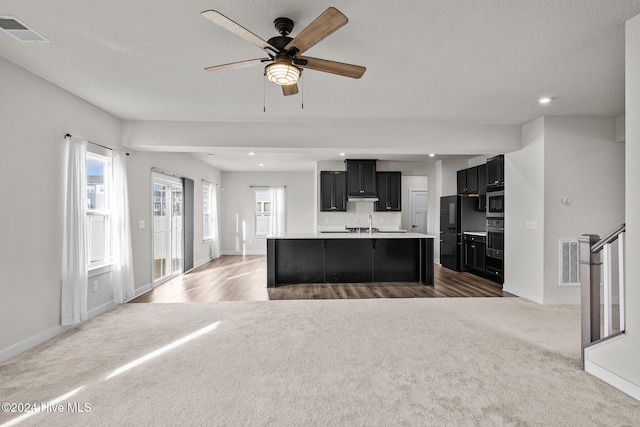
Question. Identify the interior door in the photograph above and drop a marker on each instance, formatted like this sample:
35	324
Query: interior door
167	227
418	203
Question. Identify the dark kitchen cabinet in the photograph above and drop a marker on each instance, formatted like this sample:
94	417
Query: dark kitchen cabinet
361	178
474	253
482	180
495	269
482	188
333	195
468	181
389	188
495	173
348	260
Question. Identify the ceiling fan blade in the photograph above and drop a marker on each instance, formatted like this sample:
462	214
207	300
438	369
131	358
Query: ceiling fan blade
290	89
237	29
333	67
237	65
324	25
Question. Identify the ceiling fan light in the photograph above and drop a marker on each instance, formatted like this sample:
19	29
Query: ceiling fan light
282	73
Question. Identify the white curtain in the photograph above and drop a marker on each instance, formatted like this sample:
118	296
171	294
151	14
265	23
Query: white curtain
215	232
74	250
122	273
277	211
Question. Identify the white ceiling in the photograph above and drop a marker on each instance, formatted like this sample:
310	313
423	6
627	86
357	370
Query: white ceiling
463	61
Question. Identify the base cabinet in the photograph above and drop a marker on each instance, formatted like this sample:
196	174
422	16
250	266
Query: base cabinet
358	260
394	260
348	261
474	255
495	268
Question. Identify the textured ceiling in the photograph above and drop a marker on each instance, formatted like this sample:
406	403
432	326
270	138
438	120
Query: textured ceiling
478	62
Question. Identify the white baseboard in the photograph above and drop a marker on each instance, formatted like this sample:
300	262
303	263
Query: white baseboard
258	252
100	310
559	301
513	290
31	342
142	290
37	339
541	300
609	377
202	261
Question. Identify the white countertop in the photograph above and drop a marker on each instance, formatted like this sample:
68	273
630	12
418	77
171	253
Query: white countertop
353	236
476	233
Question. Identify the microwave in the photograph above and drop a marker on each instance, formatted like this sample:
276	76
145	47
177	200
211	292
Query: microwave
495	204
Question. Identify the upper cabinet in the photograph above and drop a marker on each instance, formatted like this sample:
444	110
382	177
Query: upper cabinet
361	178
482	180
389	190
468	181
495	172
333	195
473	181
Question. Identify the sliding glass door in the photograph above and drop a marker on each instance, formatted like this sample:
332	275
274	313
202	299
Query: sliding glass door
167	227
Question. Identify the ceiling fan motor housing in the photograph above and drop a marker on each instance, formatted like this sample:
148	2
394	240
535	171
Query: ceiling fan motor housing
283	25
279	42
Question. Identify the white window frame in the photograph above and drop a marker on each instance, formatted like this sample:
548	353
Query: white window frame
105	213
206	212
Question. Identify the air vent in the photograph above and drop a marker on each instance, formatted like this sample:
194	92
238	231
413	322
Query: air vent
19	31
569	263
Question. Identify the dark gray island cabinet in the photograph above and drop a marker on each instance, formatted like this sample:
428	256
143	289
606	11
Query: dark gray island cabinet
349	258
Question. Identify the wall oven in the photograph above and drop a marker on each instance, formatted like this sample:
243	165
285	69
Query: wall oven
495	204
495	237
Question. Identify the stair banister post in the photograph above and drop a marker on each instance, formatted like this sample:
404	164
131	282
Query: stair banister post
589	274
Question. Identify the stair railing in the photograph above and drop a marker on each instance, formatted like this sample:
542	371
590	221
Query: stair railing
595	271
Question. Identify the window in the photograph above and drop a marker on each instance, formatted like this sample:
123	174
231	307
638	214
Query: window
263	212
98	241
206	211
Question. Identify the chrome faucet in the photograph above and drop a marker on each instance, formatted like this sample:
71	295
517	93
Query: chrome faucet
370	223
358	225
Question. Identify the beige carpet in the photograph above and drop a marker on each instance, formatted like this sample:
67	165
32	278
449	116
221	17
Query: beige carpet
433	362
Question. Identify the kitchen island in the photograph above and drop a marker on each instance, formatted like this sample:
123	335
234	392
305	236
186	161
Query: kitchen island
349	258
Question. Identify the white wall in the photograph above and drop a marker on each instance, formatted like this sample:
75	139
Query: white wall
35	116
562	157
238	207
139	165
353	137
524	201
449	179
617	361
583	163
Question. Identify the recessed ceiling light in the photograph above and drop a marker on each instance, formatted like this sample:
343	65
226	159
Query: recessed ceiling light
544	100
343	154
432	155
251	153
261	164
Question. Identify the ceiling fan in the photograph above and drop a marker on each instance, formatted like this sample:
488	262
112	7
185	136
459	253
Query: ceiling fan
284	63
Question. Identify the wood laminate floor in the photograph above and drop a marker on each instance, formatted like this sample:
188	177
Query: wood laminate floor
243	278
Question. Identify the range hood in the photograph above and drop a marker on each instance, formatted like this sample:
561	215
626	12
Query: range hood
361	199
